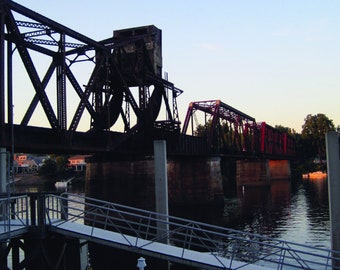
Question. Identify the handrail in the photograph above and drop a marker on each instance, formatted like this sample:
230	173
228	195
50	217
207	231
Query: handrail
14	208
222	243
190	235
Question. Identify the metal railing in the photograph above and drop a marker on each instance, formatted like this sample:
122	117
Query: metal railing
39	210
251	249
14	214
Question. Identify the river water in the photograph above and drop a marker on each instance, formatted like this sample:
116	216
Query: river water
291	210
295	211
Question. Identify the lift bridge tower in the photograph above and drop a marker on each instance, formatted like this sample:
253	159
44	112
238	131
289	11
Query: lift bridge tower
137	54
138	57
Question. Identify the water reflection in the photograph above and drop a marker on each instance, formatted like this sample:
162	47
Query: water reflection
294	211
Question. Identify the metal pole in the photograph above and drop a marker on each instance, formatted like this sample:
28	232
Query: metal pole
333	173
2	66
10	115
161	188
3	170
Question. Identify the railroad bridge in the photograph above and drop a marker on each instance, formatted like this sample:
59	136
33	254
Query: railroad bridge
63	92
54	80
125	99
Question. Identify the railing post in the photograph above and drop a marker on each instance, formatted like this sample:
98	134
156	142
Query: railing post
333	173
64	207
42	212
33	203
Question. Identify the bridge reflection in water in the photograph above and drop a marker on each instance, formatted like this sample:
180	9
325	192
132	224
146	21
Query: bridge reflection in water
191	243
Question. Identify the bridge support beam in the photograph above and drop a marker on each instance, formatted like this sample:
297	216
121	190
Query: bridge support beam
261	172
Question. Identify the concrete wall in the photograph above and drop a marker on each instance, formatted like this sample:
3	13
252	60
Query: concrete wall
190	181
261	172
125	182
279	169
195	181
252	173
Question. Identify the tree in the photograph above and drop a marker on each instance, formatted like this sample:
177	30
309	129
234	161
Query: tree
56	166
313	134
49	168
285	129
202	130
61	161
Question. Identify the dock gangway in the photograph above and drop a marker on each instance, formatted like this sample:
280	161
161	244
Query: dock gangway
149	233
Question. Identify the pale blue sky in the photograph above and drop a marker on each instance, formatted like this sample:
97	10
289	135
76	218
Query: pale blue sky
276	61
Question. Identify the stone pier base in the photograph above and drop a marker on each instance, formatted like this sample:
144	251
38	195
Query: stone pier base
190	181
261	172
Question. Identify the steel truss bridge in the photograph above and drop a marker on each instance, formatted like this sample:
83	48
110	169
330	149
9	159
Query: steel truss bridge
147	233
125	84
230	131
56	79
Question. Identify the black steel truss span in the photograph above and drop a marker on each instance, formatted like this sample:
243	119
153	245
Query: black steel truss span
121	64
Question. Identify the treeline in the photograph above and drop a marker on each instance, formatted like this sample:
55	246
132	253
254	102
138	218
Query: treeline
310	143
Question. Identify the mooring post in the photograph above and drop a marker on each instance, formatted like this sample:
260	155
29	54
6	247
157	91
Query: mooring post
333	173
141	263
161	189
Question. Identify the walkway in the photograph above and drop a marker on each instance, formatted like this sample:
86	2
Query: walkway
147	233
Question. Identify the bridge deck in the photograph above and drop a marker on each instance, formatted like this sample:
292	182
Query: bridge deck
12	228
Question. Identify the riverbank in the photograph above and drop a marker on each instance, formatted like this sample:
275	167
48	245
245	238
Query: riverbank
33	182
29	179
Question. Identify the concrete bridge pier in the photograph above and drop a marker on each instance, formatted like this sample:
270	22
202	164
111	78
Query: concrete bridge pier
194	180
261	172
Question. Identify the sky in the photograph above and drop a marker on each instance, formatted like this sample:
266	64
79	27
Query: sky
277	60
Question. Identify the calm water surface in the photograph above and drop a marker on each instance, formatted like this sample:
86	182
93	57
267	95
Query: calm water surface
295	211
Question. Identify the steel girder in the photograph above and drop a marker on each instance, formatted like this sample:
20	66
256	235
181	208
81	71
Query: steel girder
273	142
107	87
237	125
